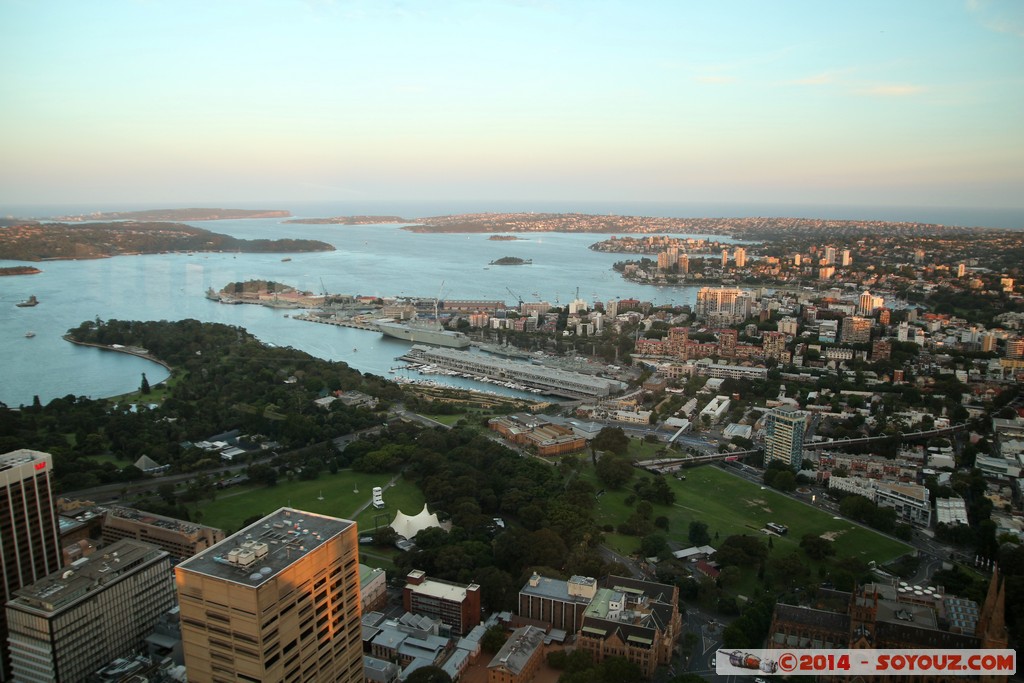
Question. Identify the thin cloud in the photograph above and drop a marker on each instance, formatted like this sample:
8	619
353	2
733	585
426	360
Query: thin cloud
716	80
892	90
1000	18
819	79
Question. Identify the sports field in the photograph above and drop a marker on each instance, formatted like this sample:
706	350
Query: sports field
342	495
730	505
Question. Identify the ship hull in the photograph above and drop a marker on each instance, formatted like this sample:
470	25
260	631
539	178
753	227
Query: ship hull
455	340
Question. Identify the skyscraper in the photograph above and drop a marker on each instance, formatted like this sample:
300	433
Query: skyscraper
740	256
847	260
277	601
830	255
784	436
72	622
29	540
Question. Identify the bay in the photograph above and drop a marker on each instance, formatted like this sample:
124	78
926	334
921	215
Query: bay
378	260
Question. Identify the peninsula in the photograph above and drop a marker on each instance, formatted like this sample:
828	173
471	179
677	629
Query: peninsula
194	214
48	241
750	228
350	220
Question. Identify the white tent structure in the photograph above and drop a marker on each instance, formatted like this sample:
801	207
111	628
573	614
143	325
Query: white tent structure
407	527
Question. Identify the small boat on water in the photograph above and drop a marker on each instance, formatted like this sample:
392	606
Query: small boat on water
30	334
285	260
28	303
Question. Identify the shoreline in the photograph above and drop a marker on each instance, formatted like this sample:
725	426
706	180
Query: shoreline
145	356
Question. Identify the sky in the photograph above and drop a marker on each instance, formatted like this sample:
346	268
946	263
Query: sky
915	102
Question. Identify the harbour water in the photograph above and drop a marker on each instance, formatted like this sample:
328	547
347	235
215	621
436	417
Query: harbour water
379	260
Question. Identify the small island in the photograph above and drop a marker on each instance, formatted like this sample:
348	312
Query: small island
511	261
50	241
19	270
504	238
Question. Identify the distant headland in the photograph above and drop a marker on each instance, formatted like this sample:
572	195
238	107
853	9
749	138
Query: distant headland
351	220
48	241
194	214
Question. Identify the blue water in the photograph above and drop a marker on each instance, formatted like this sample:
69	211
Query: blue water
1011	218
379	260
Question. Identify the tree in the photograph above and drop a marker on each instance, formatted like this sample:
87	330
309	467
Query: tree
614	471
699	533
493	639
653	545
144	388
429	674
610	439
816	547
784	481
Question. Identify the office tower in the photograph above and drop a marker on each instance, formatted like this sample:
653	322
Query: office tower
855	330
865	303
774	345
740	256
903	332
74	621
988	342
847	259
884	316
277	601
784	436
29	540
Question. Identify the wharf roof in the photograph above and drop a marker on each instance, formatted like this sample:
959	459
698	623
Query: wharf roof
61	589
275	542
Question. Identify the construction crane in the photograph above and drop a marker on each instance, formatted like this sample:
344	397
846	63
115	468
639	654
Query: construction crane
515	296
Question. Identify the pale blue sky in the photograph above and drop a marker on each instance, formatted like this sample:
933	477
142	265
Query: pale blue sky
904	102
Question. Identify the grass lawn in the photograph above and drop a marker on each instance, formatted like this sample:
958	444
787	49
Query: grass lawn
730	505
100	459
235	505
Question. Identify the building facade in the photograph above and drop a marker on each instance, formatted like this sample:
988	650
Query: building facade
638	620
277	601
560	604
29	536
179	538
784	436
72	622
456	605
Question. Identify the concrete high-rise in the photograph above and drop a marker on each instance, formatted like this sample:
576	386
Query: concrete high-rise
29	537
74	621
784	436
277	601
